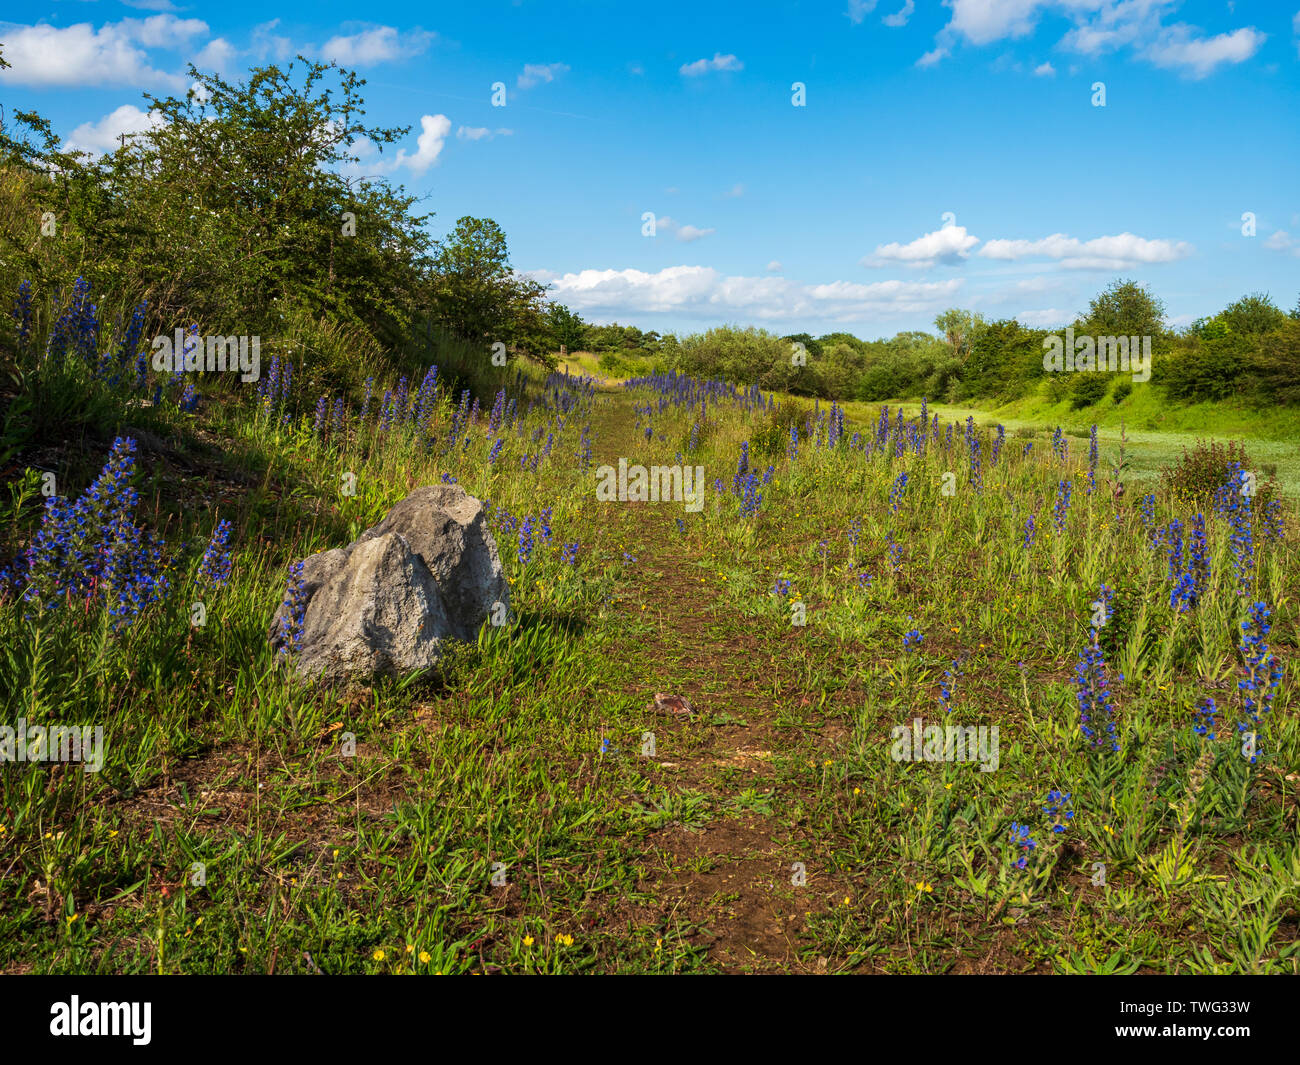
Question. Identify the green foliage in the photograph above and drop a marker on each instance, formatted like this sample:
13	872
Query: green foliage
1124	308
1088	388
1203	470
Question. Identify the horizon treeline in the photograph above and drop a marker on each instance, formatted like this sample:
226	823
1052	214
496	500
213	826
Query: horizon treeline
1250	350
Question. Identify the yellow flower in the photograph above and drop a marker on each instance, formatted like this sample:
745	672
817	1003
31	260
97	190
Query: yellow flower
378	955
425	957
857	791
73	918
921	885
410	948
528	941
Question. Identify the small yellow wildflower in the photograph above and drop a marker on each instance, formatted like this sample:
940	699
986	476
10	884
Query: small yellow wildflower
425	957
528	941
378	955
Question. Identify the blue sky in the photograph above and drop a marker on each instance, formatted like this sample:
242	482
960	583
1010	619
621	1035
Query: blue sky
947	154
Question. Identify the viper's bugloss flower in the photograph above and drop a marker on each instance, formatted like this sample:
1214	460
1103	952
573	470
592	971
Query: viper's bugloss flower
1061	509
214	569
526	540
1020	838
896	493
1096	712
295	611
1058	809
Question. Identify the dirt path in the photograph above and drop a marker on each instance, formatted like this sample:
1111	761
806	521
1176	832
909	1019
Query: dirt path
725	866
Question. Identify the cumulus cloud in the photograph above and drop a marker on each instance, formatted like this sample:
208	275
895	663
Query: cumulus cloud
704	292
428	146
99	138
859	10
1044	319
378	44
774	267
434	130
1179	49
684	233
266	42
1044	70
1102	253
900	17
540	74
1283	241
950	245
704	66
1099	27
44	56
218	54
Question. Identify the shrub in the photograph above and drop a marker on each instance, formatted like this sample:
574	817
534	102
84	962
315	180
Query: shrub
1203	470
1122	391
1088	389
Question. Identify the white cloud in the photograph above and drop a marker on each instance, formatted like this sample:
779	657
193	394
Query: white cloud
704	292
1099	26
900	17
99	138
690	233
1044	319
151	5
379	44
1199	57
1102	253
1045	70
684	233
704	66
44	55
218	54
774	267
932	57
1284	242
478	133
265	43
949	245
735	192
859	10
428	145
985	21
540	73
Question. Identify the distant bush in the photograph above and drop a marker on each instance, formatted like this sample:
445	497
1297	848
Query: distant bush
1088	389
1203	470
1122	391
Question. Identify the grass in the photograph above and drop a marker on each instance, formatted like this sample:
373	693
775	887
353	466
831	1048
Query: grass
504	816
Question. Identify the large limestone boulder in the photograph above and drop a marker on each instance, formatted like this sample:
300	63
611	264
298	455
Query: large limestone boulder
388	602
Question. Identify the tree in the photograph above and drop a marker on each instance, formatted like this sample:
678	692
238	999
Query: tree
1125	308
476	293
1252	315
960	329
567	328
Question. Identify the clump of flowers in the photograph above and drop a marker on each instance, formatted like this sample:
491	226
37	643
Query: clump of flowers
92	548
1021	839
293	612
215	566
1058	809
